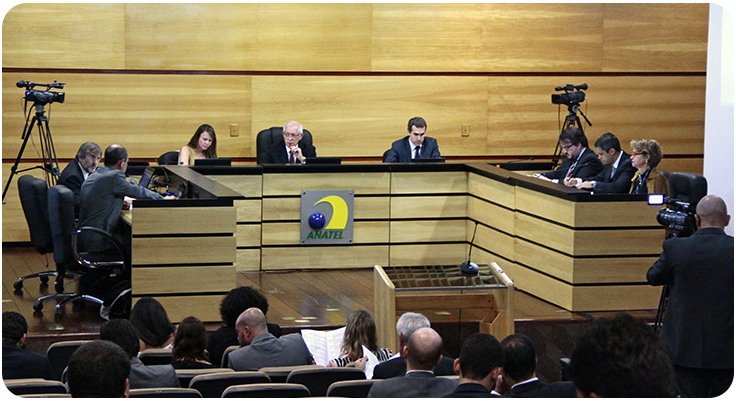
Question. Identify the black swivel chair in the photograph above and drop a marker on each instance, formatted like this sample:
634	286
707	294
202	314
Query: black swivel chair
266	138
169	158
688	187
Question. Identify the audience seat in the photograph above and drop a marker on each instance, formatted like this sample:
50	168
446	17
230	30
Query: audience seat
279	374
164	393
273	390
214	384
350	388
319	380
228	350
34	386
155	356
267	137
186	375
59	354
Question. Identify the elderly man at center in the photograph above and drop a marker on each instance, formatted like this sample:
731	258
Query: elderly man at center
291	149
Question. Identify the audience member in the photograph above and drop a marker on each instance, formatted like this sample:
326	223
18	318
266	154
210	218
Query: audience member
479	365
261	349
580	161
99	369
415	145
519	376
84	164
422	354
407	324
152	324
203	145
18	362
233	304
122	333
698	321
621	358
291	149
646	155
360	331
617	169
189	345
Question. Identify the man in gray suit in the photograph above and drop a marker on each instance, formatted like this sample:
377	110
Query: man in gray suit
261	349
122	333
422	354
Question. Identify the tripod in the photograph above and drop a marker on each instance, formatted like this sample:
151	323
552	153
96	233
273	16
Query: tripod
572	120
48	153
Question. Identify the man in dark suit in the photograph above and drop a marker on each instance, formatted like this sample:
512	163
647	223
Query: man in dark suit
84	164
580	161
519	367
617	169
480	363
422	354
291	149
698	322
20	363
407	324
415	145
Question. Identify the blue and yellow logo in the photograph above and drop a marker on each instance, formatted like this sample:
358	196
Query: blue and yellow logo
327	225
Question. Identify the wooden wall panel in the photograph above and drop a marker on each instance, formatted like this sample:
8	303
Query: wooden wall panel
336	257
183	279
435	183
293	184
429	207
184	250
217	220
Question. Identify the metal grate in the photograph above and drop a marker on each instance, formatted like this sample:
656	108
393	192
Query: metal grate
438	277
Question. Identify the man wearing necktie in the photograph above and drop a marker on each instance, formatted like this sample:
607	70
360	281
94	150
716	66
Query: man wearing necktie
617	169
580	161
416	145
291	149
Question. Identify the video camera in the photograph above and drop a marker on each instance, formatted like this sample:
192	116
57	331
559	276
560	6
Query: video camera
573	94
42	97
678	216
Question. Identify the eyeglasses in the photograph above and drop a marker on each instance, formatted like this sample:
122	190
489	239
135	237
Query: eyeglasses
566	147
288	135
638	153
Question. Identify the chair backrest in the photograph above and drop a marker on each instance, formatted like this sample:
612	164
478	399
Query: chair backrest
164	393
350	388
266	138
688	187
273	390
386	154
61	221
214	384
169	158
319	380
34	386
279	374
59	354
155	356
185	376
33	198
228	350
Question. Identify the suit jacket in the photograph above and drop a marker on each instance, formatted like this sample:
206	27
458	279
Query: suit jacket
657	183
142	376
19	363
73	178
226	336
620	183
470	390
277	152
526	389
551	390
397	367
415	384
266	350
587	167
401	150
698	322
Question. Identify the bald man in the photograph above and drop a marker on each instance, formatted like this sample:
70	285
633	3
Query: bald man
698	322
422	354
261	349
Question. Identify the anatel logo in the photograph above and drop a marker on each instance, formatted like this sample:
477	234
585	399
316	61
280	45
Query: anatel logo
327	217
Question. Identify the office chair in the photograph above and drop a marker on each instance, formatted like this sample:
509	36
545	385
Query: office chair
33	198
266	138
273	390
688	187
386	154
319	380
169	158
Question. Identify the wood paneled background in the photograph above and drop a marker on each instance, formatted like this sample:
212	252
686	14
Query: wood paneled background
146	75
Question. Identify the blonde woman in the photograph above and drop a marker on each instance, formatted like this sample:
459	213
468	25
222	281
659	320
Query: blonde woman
360	330
645	156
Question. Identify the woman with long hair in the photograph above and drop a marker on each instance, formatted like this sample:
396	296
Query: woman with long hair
189	345
360	330
203	145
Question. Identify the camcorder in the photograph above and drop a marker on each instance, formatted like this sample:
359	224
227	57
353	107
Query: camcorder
573	94
42	97
676	215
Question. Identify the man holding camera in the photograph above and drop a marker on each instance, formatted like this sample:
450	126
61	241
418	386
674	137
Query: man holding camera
698	324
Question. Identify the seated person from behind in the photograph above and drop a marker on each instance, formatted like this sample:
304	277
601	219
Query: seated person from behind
617	169
291	149
99	369
478	366
415	145
152	324
203	145
189	345
360	330
261	349
84	164
580	161
646	155
18	362
122	333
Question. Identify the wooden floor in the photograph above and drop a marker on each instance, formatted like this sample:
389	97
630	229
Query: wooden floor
298	299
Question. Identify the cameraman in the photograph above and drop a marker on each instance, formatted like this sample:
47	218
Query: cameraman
698	323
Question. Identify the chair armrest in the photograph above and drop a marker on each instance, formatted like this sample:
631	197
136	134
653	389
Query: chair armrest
99	263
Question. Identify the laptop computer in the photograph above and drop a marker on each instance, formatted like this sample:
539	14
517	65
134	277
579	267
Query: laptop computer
146	177
220	161
324	160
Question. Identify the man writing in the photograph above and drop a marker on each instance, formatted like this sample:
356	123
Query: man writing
698	323
77	171
580	161
415	145
617	169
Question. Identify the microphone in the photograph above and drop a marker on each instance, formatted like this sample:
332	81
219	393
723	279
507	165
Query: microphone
469	268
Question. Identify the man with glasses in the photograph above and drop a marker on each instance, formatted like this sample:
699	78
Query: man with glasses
84	164
291	149
580	161
617	169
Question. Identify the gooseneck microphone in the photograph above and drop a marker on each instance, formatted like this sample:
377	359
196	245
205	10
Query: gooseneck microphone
469	268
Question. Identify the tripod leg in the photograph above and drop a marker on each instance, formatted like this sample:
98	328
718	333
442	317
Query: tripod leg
50	162
20	154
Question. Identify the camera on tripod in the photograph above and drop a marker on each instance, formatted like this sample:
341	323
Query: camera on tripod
573	94
677	216
42	97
